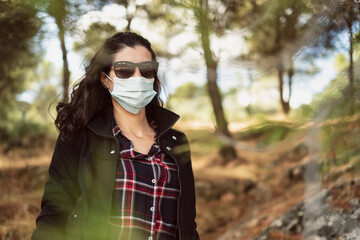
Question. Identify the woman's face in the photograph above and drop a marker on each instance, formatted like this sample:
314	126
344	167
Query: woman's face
135	54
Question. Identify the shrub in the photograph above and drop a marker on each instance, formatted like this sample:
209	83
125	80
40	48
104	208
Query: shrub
22	133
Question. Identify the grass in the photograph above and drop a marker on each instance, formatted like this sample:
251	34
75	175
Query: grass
203	142
269	132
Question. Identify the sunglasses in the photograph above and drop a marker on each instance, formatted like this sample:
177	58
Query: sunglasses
125	69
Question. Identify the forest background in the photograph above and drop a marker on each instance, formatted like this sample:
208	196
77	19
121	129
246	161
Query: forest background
267	91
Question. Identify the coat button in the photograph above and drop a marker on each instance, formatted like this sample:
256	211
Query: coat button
168	148
174	137
112	152
75	216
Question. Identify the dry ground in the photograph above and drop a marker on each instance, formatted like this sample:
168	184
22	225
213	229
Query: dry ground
246	194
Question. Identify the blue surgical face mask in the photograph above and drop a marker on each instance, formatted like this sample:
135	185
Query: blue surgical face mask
133	93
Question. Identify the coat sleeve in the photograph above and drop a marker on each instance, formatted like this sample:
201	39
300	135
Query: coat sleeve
183	153
188	156
60	194
196	235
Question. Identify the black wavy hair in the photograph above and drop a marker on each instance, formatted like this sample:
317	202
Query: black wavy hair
89	97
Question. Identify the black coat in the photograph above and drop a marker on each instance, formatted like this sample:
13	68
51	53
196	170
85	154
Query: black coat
77	197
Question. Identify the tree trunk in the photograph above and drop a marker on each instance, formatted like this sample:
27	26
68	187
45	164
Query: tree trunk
129	18
216	100
227	152
66	73
284	104
351	90
280	69
128	26
249	89
291	73
351	57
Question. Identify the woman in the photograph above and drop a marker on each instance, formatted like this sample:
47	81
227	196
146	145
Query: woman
119	170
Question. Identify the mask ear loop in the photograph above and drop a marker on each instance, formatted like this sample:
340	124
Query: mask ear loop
105	85
109	77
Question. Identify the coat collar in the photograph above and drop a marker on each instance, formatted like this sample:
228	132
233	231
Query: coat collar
164	119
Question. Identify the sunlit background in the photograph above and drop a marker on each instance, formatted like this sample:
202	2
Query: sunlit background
268	93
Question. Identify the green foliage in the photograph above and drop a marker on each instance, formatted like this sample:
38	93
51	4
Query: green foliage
198	109
21	133
336	100
18	55
279	27
26	126
340	141
221	15
269	132
64	12
305	111
94	37
341	62
273	40
191	102
159	11
203	142
188	90
45	97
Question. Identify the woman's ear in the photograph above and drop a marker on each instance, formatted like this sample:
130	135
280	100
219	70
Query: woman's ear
104	80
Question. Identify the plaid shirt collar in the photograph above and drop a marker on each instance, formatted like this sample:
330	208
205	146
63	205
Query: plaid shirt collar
101	124
116	130
128	147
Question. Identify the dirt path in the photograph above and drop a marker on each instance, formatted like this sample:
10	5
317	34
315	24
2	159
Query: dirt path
240	198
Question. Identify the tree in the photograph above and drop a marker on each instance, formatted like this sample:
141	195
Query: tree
273	42
348	18
18	54
228	152
131	8
211	20
342	18
65	13
58	10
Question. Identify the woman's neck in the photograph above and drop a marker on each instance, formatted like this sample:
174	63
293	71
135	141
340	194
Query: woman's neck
135	124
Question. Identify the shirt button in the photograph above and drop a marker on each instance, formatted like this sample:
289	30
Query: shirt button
75	216
153	181
152	209
149	158
168	148
150	238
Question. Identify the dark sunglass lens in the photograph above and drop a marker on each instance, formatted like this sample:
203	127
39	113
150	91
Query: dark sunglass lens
147	72
124	70
148	69
123	73
127	69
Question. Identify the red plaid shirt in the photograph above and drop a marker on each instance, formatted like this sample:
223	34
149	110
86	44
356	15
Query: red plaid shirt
144	200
